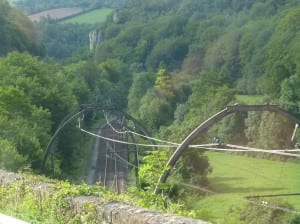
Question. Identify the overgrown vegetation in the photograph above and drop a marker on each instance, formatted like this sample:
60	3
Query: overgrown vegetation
171	64
40	200
43	205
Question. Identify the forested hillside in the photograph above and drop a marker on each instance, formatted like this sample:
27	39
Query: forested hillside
171	64
16	32
191	58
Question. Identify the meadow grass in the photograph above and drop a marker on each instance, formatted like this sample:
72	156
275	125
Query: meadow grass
249	99
234	177
91	17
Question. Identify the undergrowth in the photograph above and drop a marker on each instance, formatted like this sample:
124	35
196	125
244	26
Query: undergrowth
37	199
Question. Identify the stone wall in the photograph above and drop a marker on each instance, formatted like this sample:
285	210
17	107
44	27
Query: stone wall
112	212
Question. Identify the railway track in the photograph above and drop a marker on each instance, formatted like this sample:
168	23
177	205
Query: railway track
107	164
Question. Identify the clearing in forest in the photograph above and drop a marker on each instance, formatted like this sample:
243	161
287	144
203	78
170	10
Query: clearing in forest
91	17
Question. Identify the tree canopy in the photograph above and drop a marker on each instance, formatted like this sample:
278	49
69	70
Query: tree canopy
17	32
170	63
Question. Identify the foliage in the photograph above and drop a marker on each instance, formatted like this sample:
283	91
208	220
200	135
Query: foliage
42	206
50	202
255	36
150	172
15	112
140	84
113	82
17	32
155	110
254	213
290	94
283	60
153	165
35	97
163	83
261	130
194	168
63	40
10	158
172	64
167	52
223	56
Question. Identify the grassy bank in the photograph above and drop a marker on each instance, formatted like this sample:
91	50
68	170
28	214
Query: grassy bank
234	177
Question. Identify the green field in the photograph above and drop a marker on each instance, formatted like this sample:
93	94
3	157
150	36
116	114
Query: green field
249	99
235	177
91	17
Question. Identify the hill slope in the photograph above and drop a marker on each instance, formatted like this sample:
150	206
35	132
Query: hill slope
16	31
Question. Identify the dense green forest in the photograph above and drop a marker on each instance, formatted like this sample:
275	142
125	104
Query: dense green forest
17	32
63	40
171	64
